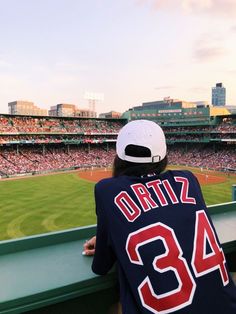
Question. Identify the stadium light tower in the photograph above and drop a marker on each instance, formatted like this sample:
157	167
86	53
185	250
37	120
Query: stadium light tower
93	98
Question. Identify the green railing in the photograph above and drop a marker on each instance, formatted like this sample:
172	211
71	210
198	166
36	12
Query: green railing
47	273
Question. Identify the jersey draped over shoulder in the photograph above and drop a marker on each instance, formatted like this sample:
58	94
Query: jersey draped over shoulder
159	232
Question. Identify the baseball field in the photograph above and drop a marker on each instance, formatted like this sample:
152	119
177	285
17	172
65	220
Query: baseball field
41	204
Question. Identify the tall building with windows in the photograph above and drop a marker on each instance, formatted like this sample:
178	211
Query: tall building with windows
218	95
66	110
110	115
70	110
22	107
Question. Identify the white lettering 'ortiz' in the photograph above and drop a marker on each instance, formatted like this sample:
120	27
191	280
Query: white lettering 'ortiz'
132	210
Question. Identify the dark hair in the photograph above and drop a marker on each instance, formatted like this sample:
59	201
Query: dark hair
123	167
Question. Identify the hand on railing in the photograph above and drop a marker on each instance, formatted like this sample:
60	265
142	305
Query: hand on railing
89	246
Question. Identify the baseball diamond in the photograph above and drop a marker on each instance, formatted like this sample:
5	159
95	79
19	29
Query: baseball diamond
59	159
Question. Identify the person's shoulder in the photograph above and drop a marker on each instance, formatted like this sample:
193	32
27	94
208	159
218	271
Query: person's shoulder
189	175
179	173
104	182
113	183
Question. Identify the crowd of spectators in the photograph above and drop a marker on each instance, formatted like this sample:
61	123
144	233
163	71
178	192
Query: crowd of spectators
95	138
199	137
187	129
224	158
45	138
62	143
35	159
223	127
58	125
53	157
185	137
227	126
94	126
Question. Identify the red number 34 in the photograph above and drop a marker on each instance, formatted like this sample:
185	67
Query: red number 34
173	260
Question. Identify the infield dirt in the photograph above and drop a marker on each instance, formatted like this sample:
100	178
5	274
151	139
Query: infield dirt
96	175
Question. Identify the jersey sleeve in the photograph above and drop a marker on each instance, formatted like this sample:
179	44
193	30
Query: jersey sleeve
104	257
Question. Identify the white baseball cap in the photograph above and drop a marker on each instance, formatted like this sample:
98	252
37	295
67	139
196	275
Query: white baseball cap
143	133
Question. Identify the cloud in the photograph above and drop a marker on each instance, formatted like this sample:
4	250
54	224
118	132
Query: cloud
209	47
162	4
159	4
197	5
208	53
164	87
211	7
223	8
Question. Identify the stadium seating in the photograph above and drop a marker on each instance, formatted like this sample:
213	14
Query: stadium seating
39	144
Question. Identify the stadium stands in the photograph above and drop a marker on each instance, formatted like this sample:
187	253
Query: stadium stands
39	144
33	159
221	160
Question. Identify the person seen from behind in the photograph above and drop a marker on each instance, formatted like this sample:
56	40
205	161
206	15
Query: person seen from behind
154	223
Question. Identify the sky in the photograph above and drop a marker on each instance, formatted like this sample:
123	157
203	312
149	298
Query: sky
127	51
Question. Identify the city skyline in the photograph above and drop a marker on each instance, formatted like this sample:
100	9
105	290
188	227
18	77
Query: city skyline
131	51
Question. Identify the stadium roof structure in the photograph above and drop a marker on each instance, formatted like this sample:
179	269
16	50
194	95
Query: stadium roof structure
178	112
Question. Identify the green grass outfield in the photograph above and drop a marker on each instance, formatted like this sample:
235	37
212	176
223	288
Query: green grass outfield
42	204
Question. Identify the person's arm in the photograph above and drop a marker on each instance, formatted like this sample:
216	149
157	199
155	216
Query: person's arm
100	245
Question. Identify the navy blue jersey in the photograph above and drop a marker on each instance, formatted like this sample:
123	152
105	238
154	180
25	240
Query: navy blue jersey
169	257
